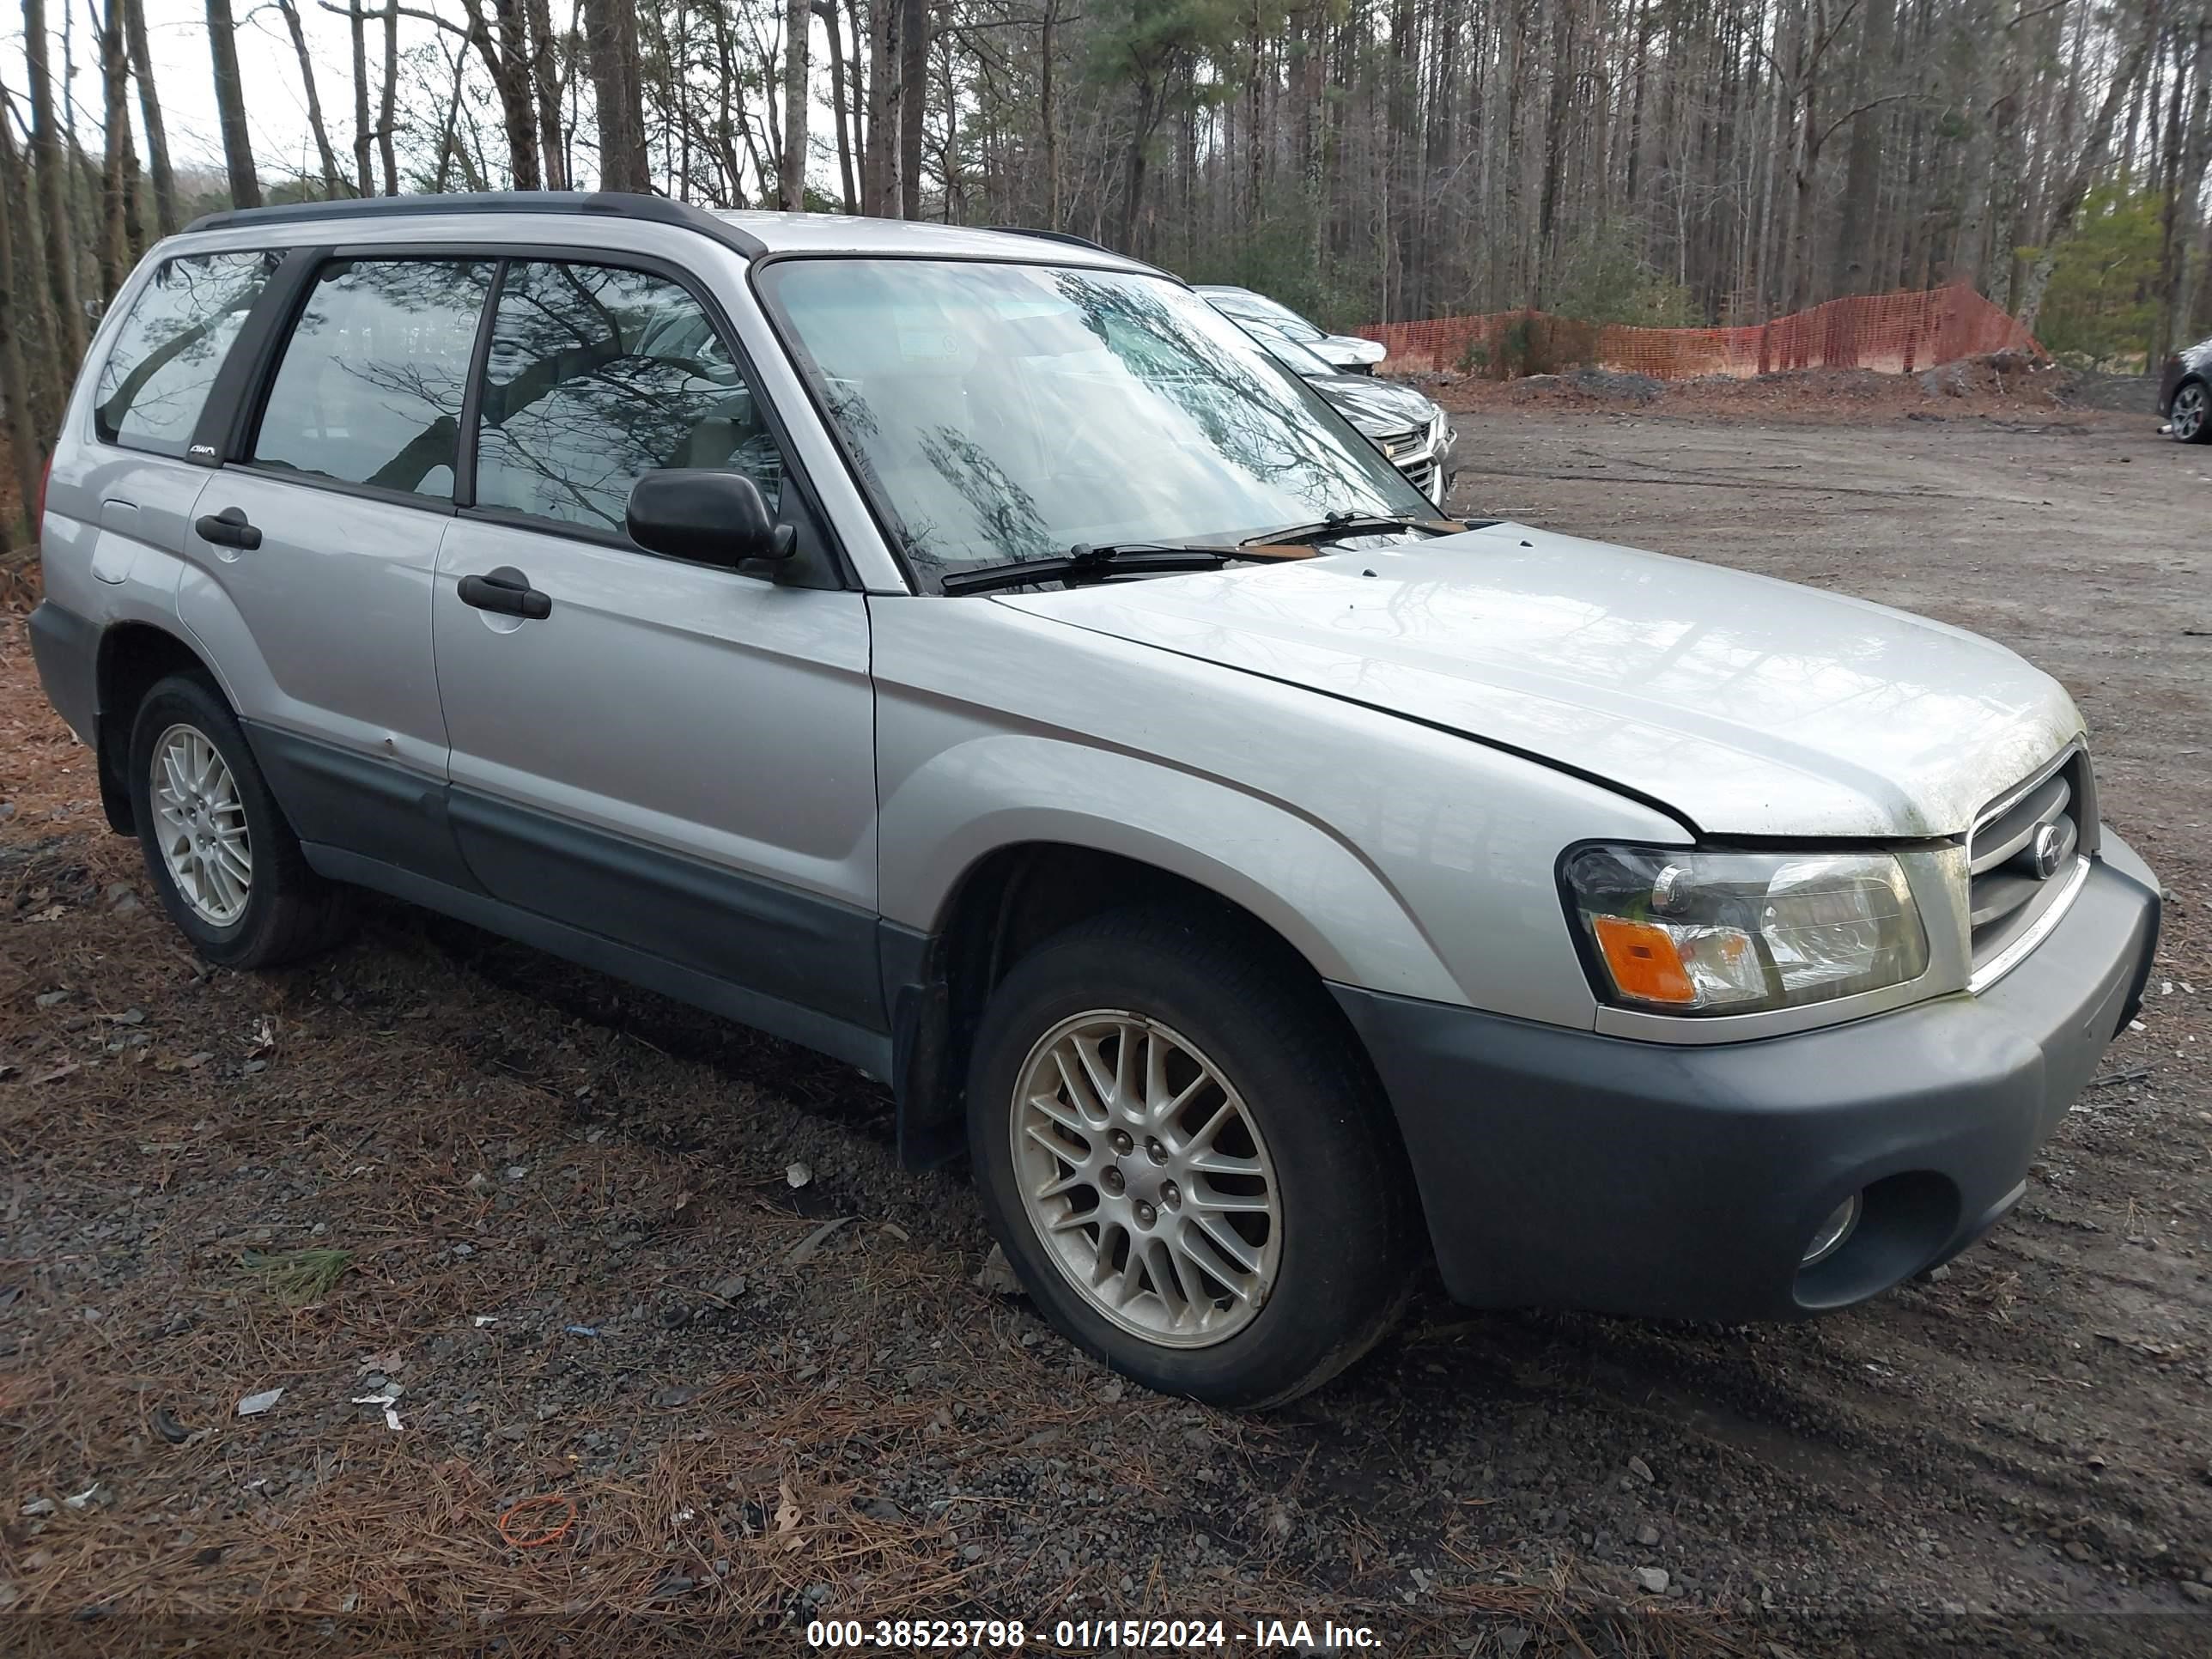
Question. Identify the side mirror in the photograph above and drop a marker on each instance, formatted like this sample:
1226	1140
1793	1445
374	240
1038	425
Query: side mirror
709	514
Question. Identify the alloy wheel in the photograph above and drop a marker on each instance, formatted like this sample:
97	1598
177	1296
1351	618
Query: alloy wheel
199	824
1145	1175
2190	408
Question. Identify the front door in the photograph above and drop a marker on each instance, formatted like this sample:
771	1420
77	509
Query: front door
676	756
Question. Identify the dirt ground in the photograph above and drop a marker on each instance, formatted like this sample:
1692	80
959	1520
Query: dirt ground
560	1217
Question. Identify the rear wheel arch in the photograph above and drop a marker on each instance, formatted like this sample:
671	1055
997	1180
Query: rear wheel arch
134	658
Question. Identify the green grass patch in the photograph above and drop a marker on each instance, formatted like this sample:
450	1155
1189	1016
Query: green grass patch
298	1275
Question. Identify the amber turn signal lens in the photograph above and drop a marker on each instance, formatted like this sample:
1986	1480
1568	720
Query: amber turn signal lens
1643	961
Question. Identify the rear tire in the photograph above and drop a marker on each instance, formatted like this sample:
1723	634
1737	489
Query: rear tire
2189	417
1187	1160
226	863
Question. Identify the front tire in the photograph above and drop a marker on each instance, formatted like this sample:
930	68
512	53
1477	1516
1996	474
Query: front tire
2189	417
1187	1160
226	863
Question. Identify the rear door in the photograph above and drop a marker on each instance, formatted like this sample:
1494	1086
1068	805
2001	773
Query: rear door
314	552
676	756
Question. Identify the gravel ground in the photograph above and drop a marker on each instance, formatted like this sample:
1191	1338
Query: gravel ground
666	1275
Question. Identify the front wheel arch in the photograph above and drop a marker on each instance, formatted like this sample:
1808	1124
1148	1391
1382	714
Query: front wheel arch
1343	1217
1005	906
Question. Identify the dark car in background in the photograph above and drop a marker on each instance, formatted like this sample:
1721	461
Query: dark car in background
1413	431
2184	394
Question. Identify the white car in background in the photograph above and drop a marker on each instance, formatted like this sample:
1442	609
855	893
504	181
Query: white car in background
1347	352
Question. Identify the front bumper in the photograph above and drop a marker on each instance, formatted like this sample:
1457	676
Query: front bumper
1561	1167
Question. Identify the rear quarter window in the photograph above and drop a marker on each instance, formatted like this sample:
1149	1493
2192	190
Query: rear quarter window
180	329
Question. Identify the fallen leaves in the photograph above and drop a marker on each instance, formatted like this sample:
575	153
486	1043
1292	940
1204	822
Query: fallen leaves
788	1516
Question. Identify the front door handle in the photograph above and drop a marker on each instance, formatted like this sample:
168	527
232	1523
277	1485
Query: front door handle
228	528
506	591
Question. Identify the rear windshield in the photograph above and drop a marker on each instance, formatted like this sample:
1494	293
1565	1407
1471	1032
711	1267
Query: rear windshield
171	345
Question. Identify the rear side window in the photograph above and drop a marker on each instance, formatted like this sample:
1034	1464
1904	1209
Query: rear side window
369	391
599	375
156	382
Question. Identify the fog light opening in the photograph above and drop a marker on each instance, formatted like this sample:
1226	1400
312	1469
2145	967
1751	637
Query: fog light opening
1833	1232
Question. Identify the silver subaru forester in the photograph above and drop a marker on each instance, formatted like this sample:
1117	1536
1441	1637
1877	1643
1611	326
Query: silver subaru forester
967	654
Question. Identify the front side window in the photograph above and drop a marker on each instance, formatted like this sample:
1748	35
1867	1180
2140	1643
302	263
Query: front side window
598	375
156	380
1012	412
369	388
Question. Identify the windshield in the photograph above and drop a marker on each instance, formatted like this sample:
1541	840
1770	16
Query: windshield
1259	308
1289	353
1012	412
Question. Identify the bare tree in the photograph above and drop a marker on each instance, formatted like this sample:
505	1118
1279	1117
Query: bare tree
118	246
165	218
364	136
51	165
913	91
611	46
387	106
2068	201
19	300
880	162
840	111
797	25
324	153
545	81
230	105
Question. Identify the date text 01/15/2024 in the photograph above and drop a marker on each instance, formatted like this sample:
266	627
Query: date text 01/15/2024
1095	1635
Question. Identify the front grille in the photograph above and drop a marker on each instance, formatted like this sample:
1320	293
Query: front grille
1397	443
2008	893
1421	474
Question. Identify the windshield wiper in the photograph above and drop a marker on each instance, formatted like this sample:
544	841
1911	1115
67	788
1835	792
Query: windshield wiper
1087	563
1347	524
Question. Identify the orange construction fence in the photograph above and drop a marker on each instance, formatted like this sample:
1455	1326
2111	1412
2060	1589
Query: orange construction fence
1895	333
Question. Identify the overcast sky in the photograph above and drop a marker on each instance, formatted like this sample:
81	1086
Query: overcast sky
277	111
177	36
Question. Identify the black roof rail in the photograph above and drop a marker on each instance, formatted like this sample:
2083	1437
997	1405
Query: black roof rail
1073	240
1068	236
613	204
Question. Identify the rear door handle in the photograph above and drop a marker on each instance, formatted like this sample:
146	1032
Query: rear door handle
506	591
228	528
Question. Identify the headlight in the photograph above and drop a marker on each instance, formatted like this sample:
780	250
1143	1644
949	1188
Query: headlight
1686	932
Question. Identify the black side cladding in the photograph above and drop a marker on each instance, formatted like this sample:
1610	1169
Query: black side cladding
66	648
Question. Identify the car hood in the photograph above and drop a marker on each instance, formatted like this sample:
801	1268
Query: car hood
1744	705
1373	404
